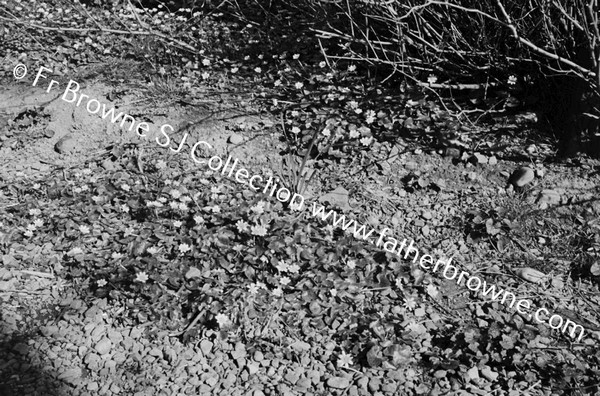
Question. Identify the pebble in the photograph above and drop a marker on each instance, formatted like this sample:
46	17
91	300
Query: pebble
452	152
103	346
411	165
338	382
258	356
292	376
205	347
236	139
488	373
521	177
253	368
549	197
65	145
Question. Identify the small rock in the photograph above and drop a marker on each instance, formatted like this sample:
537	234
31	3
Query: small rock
521	177
493	160
292	376
427	215
488	373
205	346
71	375
258	392
473	373
479	158
253	368
108	164
411	165
531	275
65	145
49	132
258	356
550	197
338	382
452	152
103	346
236	139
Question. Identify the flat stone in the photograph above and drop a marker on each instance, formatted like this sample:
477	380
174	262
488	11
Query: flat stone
103	346
206	346
292	376
521	177
65	145
236	139
550	197
338	382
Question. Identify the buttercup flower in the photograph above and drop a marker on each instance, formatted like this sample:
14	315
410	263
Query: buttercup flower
141	277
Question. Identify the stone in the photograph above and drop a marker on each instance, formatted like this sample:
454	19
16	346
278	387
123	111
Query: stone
205	346
103	346
531	275
549	197
487	372
452	152
521	177
65	145
258	356
236	139
338	382
292	376
473	373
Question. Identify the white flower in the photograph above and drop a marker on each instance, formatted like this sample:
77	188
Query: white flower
205	75
351	264
234	70
184	247
153	250
284	280
116	255
174	205
293	268
257	69
206	62
333	292
253	288
259	208
366	141
295	130
198	219
35	212
125	187
125	208
512	80
278	292
351	68
28	233
182	206
298	85
141	277
175	193
177	223
84	229
242	226
431	79
344	360
322	64
282	266
277	83
31	227
354	134
296	56
101	282
222	320
326	132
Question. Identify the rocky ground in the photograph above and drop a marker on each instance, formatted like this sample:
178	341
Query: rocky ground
127	268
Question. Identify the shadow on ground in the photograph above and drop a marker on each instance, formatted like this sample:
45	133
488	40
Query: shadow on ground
21	370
